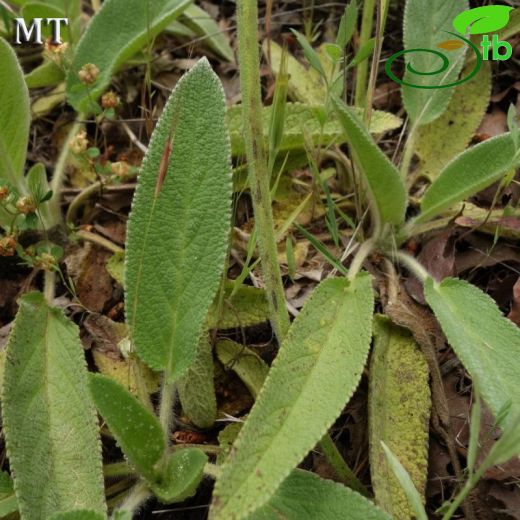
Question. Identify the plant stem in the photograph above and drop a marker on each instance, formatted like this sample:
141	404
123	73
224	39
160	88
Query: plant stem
166	407
59	172
340	467
249	61
409	149
118	469
412	264
212	470
99	240
362	69
138	494
357	263
463	493
80	199
49	285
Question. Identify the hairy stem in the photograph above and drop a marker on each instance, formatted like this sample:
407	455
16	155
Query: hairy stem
166	408
367	21
80	199
249	61
135	499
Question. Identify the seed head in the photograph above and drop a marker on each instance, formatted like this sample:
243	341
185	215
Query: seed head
4	192
88	74
45	261
7	246
26	205
110	100
79	143
120	169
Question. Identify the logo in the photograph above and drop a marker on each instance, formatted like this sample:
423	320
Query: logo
481	20
24	34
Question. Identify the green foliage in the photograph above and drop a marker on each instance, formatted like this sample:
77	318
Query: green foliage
138	24
316	371
46	75
80	514
304	126
8	501
388	194
424	27
487	343
177	232
197	389
32	10
468	173
135	428
48	415
305	496
441	140
482	20
399	413
183	474
14	118
246	363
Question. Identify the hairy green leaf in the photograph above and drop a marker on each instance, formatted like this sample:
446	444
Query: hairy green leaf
242	306
197	388
438	142
315	373
47	74
138	23
302	126
305	496
487	344
14	118
207	30
467	174
399	414
388	194
425	25
178	229
135	428
48	415
183	474
246	363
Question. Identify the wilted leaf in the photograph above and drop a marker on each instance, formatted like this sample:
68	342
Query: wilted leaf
197	388
388	195
399	412
305	496
487	343
138	23
316	371
438	142
48	413
178	230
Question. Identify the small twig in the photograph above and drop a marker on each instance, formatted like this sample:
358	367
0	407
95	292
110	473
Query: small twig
133	138
99	240
80	199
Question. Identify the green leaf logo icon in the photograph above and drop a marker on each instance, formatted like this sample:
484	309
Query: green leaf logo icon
482	20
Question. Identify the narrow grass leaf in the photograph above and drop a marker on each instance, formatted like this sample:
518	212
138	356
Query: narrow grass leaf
470	172
179	225
441	140
399	414
388	194
197	387
315	373
304	496
424	27
48	415
135	428
487	343
406	482
14	118
138	23
183	474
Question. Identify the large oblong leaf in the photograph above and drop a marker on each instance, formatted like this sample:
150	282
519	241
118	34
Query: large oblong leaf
487	343
315	373
108	47
48	415
381	176
305	496
14	117
178	230
425	26
399	414
467	174
134	427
